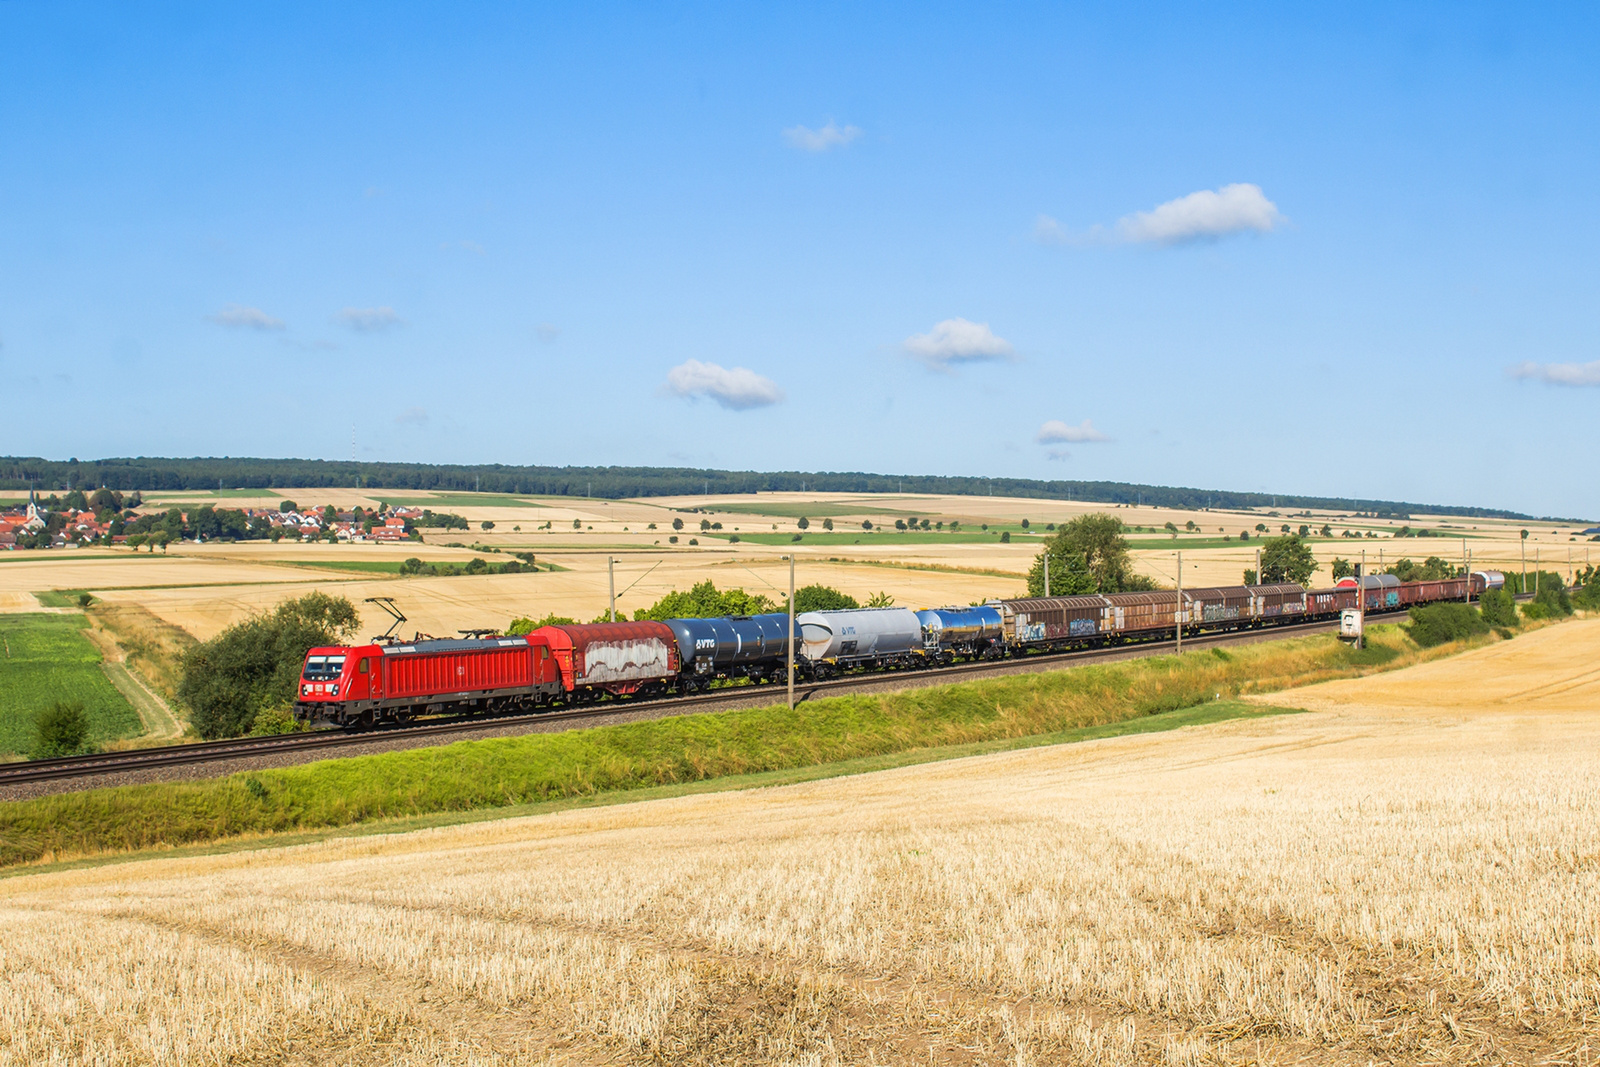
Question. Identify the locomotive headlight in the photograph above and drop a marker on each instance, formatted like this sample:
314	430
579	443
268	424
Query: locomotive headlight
305	690
333	690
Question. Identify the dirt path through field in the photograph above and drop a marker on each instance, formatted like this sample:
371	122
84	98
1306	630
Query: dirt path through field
1406	874
160	724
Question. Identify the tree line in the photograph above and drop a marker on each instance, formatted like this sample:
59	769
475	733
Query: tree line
613	483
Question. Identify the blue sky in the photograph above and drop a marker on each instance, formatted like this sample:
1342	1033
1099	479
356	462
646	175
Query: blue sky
1344	251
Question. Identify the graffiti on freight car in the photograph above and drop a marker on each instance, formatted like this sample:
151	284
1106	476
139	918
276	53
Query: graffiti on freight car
1082	627
625	661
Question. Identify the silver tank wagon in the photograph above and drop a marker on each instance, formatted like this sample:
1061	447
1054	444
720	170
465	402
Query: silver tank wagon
861	636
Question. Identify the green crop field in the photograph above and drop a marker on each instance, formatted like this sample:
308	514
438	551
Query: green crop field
44	658
363	566
816	512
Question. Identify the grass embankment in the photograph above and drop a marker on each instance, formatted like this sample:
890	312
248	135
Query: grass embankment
45	658
683	749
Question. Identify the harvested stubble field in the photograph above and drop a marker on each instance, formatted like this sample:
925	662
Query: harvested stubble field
1386	879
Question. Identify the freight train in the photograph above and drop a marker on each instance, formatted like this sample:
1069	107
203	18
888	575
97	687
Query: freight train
397	681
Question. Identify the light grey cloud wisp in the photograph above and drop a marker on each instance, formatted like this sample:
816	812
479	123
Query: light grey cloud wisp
368	320
1056	432
1569	374
240	317
823	139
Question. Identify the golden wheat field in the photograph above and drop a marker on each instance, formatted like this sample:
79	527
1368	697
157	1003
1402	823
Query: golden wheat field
203	588
1409	874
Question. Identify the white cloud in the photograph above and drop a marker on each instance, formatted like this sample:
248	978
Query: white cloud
957	341
737	388
245	318
368	320
1203	216
1047	231
413	416
547	332
1056	432
1574	374
821	140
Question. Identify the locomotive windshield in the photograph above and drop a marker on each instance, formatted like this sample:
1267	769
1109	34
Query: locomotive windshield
323	668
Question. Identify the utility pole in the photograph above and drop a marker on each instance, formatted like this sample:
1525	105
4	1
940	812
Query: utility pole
1047	572
1177	616
1524	543
1466	597
1259	579
611	585
791	632
1535	571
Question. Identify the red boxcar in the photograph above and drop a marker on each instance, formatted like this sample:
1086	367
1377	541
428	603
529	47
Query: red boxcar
613	657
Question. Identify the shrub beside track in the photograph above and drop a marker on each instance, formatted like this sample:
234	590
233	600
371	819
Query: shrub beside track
684	749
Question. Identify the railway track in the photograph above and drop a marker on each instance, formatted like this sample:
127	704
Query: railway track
331	740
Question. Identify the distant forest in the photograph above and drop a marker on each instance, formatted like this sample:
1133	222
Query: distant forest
614	483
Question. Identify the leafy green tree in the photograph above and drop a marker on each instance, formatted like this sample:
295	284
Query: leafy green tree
255	664
703	601
824	598
1249	576
1097	540
1005	537
1498	608
827	524
487	525
1342	568
1069	574
677	523
876	600
1287	559
803	522
1434	624
287	506
1433	569
1553	598
63	730
519	627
